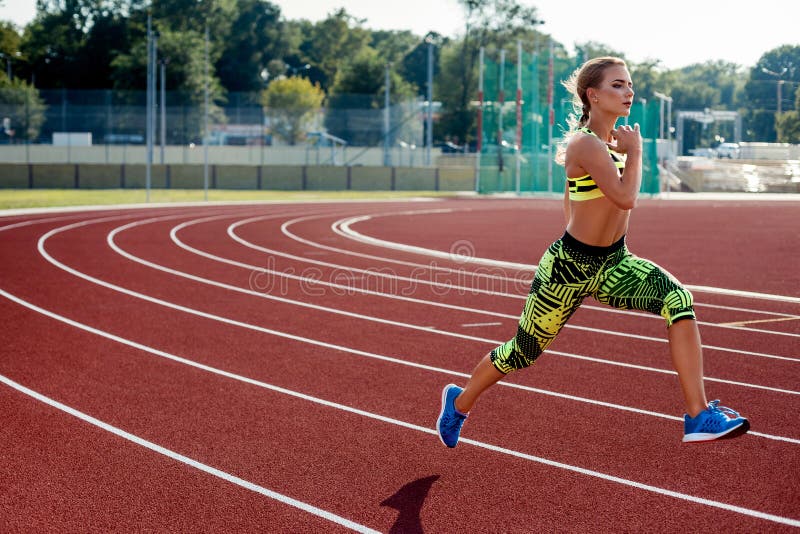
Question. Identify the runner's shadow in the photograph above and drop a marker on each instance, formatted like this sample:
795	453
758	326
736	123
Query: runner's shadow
408	501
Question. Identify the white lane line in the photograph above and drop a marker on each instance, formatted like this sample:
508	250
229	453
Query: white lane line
231	232
256	328
411	426
764	321
478	325
745	310
344	226
318	280
444	286
285	230
426	328
233	479
31	222
529	272
439	286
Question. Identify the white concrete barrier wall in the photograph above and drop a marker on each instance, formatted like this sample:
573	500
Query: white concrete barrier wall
217	155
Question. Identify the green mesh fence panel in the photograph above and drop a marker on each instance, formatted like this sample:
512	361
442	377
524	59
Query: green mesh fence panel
515	156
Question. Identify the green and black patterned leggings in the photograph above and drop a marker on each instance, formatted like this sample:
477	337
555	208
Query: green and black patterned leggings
570	271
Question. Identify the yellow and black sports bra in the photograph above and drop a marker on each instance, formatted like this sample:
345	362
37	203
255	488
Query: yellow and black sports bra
583	187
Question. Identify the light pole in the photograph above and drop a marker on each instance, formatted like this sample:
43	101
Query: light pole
429	114
150	102
264	75
780	83
387	158
163	62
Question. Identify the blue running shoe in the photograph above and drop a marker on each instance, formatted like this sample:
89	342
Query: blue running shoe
714	423
450	419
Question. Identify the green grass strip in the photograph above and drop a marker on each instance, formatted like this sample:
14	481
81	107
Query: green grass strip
42	198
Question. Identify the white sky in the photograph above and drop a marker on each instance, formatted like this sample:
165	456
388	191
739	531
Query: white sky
678	32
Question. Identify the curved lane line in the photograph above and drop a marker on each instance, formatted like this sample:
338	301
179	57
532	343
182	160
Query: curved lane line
239	239
345	224
116	248
349	232
411	426
227	477
295	237
193	311
285	230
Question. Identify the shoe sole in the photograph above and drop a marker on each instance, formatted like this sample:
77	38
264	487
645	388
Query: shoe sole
728	434
441	413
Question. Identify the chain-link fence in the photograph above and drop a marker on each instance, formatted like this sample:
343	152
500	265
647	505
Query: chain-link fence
518	133
109	126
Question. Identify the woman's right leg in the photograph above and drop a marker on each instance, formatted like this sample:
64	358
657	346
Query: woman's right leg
556	293
484	376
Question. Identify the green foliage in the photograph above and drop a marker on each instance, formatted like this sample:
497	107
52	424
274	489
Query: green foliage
494	24
71	44
788	126
328	43
413	66
360	85
592	49
10	39
781	64
21	110
256	37
185	53
195	15
85	44
290	104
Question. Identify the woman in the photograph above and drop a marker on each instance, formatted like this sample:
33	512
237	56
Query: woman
591	259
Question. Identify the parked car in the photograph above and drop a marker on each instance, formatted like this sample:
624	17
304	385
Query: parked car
703	152
728	150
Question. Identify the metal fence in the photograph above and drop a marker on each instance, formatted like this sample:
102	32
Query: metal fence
110	126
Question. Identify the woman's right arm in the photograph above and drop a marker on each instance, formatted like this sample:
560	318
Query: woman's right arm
622	190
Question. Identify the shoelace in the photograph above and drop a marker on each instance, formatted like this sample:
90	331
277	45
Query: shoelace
729	412
453	419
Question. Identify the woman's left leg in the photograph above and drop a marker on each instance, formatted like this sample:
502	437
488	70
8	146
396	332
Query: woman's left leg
687	359
637	284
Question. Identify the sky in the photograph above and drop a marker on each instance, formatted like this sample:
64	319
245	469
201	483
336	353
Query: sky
678	32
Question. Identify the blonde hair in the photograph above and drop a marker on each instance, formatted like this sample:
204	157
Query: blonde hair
590	74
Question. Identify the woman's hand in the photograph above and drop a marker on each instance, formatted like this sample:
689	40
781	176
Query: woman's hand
627	139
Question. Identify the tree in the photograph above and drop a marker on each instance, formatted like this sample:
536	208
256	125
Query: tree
490	23
71	44
21	110
10	39
256	38
592	49
358	92
290	104
195	15
186	75
788	124
780	64
414	65
327	44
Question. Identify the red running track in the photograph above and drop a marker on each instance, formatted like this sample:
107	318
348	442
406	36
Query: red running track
277	367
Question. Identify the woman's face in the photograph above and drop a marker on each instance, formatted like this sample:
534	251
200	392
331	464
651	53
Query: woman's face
615	92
